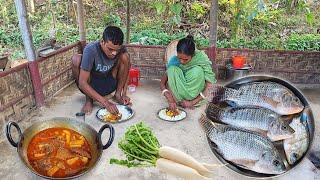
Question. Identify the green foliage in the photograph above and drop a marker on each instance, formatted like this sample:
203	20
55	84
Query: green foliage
112	19
260	41
8	13
201	42
18	54
270	16
310	17
10	36
140	146
304	7
242	13
154	37
254	24
160	7
245	12
303	42
112	4
147	23
198	12
198	9
176	9
296	6
39	36
171	9
94	34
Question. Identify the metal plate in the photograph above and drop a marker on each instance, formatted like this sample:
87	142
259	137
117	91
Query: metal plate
307	112
126	112
162	116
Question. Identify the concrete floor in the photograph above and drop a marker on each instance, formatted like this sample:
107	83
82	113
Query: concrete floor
184	135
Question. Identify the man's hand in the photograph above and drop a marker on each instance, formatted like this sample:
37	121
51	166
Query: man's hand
112	108
187	104
126	100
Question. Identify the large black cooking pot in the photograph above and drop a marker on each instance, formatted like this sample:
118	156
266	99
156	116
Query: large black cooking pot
93	137
307	114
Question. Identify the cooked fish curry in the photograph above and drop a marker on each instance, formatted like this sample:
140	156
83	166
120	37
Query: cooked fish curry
59	152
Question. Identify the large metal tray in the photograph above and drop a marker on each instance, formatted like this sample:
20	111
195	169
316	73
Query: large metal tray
307	113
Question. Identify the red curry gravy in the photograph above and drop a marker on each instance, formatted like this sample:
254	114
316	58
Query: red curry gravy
59	152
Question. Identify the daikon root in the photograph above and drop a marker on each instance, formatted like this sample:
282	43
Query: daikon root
212	167
179	170
142	149
180	157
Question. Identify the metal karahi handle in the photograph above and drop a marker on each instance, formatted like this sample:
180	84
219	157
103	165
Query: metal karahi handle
9	135
111	136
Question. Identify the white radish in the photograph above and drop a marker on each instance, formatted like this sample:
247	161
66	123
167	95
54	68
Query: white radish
179	170
180	157
212	167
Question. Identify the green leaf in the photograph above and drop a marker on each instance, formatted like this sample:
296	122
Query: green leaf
261	6
160	7
310	18
139	145
252	16
176	8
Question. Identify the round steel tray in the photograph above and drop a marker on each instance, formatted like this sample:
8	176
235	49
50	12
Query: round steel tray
171	120
306	113
128	110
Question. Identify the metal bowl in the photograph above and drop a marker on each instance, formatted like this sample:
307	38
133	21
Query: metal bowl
92	136
307	113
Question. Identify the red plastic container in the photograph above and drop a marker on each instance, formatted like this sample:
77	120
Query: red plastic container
134	76
238	62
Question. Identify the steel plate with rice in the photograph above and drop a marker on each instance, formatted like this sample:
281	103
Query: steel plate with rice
125	113
290	154
167	115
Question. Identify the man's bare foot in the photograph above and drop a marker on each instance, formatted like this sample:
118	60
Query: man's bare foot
87	107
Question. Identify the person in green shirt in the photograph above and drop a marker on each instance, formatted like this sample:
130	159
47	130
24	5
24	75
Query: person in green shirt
188	77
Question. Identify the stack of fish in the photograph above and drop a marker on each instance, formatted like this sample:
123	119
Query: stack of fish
270	95
257	114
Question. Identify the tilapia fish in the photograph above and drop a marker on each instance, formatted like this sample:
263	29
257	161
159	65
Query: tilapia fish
296	146
247	149
270	95
258	119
